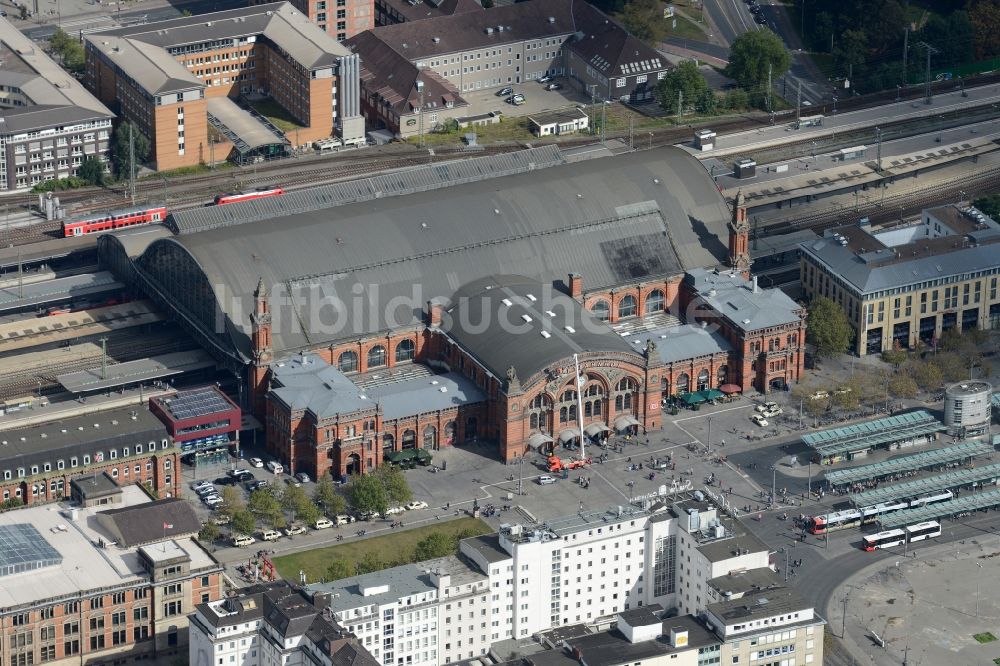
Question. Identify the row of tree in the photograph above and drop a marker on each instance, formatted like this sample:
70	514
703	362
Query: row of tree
276	507
435	544
755	58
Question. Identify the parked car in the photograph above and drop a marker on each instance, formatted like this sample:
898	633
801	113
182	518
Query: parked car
256	462
820	395
503	92
292	530
554	86
226	481
766	407
545	480
275	466
518	99
222	520
771	413
270	535
322	523
394	510
416	504
760	19
302	477
205	491
242	540
292	481
255	485
200	484
240	474
759	420
545	79
212	501
343	519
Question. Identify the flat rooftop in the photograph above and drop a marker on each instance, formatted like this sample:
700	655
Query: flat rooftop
140	370
85	566
760	604
59	289
398	582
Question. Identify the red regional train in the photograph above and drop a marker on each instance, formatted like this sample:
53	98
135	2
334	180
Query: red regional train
112	221
261	193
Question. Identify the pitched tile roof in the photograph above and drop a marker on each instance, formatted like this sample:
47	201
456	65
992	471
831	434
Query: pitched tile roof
153	521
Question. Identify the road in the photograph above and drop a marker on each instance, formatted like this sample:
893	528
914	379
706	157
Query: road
731	18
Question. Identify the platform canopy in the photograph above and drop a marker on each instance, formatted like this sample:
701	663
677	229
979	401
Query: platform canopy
131	372
927	486
962	504
921	460
861	436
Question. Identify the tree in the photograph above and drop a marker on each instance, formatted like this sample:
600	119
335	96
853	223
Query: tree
92	171
69	50
265	505
894	357
327	498
736	100
903	386
685	79
989	205
708	102
397	490
435	544
339	568
367	494
984	15
828	328
209	533
851	49
120	155
293	497
232	502
644	19
370	562
822	31
751	54
926	373
244	522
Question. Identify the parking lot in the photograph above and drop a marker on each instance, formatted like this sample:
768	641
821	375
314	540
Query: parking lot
536	99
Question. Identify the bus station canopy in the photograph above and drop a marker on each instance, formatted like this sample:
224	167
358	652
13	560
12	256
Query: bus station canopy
962	504
922	460
861	436
931	484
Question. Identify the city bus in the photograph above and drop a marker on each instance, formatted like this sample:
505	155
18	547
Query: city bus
932	499
886	539
921	531
809	121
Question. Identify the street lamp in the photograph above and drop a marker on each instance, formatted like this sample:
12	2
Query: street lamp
977	587
774	483
899	91
835	105
709	443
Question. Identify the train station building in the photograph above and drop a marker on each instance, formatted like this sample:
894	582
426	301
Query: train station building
452	303
909	284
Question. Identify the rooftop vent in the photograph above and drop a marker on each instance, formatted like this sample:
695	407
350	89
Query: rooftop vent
208	24
489	31
436	40
550	313
532	298
570	329
443	389
552	19
507	302
526	318
546	335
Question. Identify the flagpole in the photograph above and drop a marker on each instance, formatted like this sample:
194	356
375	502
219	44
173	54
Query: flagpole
579	405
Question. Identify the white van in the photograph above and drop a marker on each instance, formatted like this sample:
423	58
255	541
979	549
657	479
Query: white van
343	519
275	466
322	523
270	535
241	540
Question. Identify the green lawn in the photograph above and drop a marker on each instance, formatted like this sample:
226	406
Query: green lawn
276	114
686	28
985	637
398	546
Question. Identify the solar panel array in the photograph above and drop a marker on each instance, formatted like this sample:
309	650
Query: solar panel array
22	549
408	181
199	402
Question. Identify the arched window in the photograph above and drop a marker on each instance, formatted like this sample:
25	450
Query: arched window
722	375
376	356
449	433
683	382
619	403
409	439
563	414
588	410
430	437
404	351
572	412
627	384
703	380
541	401
626	306
594	389
568	396
628	401
597	408
655	302
601	310
534	421
348	362
388	443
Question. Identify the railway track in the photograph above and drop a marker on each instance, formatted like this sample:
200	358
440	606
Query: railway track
895	206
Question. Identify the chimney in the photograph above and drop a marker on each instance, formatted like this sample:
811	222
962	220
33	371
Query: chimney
435	310
575	285
755	289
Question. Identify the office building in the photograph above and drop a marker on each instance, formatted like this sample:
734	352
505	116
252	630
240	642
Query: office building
908	284
190	84
100	584
338	18
49	123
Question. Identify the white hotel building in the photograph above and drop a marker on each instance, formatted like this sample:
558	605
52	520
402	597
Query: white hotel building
581	569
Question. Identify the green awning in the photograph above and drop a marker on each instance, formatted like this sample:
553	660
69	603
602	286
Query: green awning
692	398
712	394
